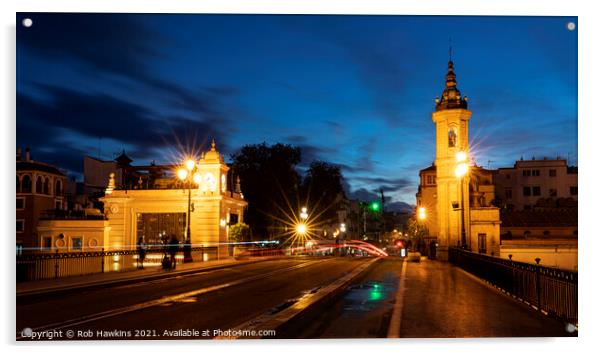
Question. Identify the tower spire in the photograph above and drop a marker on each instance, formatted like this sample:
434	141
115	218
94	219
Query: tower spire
451	97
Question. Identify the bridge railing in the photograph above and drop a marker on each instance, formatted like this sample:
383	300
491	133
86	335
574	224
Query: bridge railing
551	290
48	265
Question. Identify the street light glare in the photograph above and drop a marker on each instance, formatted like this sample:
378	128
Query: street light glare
461	170
301	229
197	178
422	213
182	174
461	156
190	164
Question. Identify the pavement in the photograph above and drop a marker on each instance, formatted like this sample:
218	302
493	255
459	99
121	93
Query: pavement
441	300
115	278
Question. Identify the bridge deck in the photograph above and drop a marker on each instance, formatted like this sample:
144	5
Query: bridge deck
441	300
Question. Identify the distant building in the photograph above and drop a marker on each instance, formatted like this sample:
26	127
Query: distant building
547	234
40	187
533	183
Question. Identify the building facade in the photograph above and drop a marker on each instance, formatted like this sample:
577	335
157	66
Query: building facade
159	210
459	207
533	183
40	188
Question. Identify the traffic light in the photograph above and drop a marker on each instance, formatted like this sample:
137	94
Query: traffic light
399	244
375	206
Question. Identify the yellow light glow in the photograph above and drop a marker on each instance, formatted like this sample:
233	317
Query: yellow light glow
197	178
422	213
461	156
461	170
190	164
301	229
182	174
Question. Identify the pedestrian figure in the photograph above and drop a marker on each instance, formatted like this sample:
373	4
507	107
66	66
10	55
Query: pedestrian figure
141	247
174	245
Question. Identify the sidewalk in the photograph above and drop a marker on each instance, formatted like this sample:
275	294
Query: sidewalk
116	278
442	301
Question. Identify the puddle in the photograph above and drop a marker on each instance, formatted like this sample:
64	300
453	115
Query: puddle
366	296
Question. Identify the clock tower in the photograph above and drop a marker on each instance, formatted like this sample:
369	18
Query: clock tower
451	119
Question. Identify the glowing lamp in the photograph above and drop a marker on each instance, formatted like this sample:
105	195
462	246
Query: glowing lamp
190	164
461	156
461	169
301	229
197	178
182	174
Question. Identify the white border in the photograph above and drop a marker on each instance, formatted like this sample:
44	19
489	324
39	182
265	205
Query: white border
589	144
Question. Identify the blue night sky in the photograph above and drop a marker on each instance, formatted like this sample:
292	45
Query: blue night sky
357	91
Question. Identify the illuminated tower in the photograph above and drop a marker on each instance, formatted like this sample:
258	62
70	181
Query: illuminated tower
451	118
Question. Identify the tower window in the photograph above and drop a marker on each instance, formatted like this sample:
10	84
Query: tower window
552	173
452	137
535	173
526	173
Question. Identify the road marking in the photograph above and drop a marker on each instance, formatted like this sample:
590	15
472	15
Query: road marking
167	299
395	323
268	321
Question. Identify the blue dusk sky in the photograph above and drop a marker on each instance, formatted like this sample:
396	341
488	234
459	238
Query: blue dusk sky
357	91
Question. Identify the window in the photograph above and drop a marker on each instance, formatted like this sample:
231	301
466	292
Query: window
58	188
508	192
535	173
527	191
526	173
18	185
47	186
58	205
19	249
552	173
47	243
482	243
20	203
452	137
20	225
39	185
553	192
573	190
536	191
26	184
76	243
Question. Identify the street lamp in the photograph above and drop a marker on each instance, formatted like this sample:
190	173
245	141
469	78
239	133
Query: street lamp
461	171
188	173
304	215
421	213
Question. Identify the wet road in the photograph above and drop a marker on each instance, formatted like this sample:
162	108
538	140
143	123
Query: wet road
438	300
217	299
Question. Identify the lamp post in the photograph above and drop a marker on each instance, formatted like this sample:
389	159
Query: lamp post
188	173
461	171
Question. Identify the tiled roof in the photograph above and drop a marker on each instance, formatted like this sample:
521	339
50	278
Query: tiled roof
540	218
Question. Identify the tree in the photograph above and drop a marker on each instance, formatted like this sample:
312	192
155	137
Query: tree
269	183
417	231
323	188
239	232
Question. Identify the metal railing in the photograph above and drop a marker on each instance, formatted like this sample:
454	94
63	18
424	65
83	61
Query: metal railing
48	265
551	290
